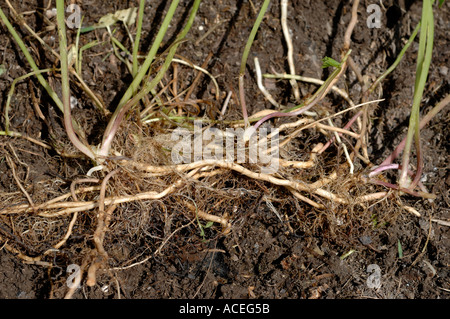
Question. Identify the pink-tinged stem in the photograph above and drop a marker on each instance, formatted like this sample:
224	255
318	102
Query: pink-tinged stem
242	99
405	190
65	83
380	169
281	114
427	118
443	103
346	127
115	124
318	96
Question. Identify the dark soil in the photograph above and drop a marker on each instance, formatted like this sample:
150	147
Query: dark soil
262	257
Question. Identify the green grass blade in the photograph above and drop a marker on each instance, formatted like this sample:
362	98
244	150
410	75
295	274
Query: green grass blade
111	127
252	36
138	37
423	65
10	94
399	249
114	123
245	54
395	64
150	56
65	87
30	60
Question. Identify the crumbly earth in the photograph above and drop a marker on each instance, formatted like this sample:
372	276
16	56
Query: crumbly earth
263	256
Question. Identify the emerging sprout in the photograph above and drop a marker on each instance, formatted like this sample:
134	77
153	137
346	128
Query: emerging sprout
327	62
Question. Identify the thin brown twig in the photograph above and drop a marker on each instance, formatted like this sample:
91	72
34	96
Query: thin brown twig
26	137
24	191
197	77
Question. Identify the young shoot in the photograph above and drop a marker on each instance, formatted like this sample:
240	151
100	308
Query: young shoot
313	100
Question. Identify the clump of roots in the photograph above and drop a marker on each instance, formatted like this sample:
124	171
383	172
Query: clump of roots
142	201
142	205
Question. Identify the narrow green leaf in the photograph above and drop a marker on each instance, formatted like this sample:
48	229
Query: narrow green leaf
400	249
327	62
202	232
2	69
209	224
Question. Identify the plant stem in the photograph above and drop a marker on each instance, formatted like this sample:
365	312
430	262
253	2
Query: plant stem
30	60
313	100
138	37
394	65
65	82
150	56
118	116
32	63
423	122
423	65
247	47
112	126
11	91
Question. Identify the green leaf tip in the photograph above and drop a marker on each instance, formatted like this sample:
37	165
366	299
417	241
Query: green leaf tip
327	62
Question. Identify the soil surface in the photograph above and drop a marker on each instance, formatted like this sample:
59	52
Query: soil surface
298	254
